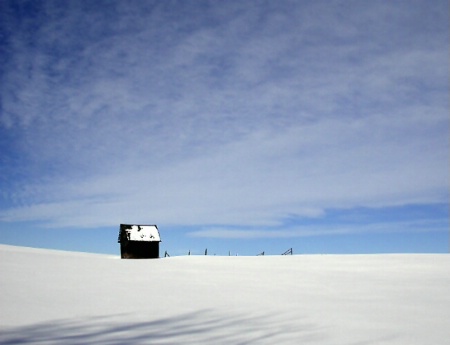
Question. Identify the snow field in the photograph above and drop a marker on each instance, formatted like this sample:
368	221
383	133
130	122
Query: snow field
55	297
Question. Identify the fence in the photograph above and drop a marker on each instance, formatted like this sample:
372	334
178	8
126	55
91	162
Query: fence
287	252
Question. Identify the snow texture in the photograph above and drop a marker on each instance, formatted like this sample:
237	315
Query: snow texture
55	297
148	233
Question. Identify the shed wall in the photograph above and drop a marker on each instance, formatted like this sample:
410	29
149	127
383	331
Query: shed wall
139	250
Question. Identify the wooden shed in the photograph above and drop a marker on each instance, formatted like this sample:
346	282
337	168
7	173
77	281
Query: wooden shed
139	241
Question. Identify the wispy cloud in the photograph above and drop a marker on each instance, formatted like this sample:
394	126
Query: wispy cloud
194	113
375	227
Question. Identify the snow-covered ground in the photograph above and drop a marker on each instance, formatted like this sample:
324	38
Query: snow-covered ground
55	297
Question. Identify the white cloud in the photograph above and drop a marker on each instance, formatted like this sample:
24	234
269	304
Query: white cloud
427	225
261	179
235	115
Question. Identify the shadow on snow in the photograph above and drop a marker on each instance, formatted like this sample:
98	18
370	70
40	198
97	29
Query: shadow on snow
190	328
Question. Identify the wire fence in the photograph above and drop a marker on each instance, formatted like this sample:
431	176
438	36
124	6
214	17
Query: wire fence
287	252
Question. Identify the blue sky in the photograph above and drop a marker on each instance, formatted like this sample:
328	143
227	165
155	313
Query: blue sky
237	126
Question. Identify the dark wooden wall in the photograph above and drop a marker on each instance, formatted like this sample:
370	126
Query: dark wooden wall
139	250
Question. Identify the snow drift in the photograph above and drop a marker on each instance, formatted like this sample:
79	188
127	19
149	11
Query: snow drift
53	297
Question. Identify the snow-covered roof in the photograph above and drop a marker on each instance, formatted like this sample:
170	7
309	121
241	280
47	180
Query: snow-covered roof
147	233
